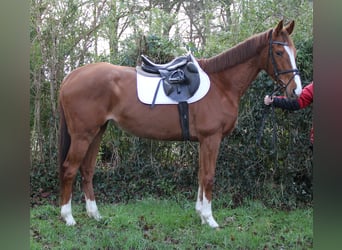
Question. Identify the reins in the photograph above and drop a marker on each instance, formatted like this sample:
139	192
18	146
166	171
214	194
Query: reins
268	109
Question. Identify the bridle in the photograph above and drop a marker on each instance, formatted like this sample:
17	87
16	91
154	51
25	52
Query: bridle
281	85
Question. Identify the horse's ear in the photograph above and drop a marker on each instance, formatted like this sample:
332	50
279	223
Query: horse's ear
289	27
279	27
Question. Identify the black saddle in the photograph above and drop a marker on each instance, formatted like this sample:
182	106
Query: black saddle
151	67
180	77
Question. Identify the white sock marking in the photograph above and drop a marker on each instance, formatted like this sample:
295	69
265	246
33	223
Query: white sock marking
199	206
92	210
207	213
67	215
203	208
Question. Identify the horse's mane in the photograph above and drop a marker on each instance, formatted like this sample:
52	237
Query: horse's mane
235	55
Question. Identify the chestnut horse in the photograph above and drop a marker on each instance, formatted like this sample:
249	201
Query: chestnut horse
92	95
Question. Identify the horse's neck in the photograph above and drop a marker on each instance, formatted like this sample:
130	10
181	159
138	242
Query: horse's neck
238	78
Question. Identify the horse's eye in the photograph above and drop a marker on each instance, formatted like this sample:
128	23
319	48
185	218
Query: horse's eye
279	53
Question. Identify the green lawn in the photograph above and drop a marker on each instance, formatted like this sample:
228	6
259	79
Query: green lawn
167	224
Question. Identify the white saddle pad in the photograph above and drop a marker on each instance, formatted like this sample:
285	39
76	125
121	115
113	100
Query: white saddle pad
147	86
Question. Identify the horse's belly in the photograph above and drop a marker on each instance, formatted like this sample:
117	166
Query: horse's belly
160	123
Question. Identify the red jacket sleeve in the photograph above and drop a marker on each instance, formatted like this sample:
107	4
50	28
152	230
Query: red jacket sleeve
306	98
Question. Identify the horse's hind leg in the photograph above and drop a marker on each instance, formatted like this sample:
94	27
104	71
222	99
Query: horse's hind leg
77	151
87	171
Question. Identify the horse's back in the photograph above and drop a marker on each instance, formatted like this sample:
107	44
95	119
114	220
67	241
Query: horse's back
95	74
97	80
89	93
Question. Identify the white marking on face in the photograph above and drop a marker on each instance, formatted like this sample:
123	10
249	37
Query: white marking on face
297	80
67	215
92	210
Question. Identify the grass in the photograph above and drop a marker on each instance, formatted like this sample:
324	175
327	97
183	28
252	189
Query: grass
168	224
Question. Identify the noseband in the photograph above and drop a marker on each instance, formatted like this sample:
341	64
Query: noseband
281	85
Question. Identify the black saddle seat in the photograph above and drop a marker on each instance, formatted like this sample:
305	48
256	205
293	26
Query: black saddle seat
152	67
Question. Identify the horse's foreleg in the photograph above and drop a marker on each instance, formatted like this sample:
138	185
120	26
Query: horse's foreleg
87	172
77	151
209	148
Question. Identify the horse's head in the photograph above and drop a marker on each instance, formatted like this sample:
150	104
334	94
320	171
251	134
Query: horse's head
281	60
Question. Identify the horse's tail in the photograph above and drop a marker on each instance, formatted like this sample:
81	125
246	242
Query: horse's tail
64	141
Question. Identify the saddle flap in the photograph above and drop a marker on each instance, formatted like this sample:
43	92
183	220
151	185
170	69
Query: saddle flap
182	83
173	77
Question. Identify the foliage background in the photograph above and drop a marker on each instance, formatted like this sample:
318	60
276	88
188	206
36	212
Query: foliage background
66	34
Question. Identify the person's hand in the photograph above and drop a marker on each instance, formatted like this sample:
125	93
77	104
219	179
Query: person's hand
268	100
